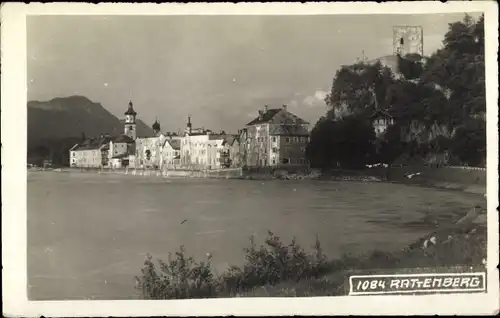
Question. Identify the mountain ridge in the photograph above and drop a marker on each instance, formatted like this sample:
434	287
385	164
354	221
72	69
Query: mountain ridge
65	117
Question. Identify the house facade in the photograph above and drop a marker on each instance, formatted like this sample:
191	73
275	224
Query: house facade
381	121
170	154
201	148
275	138
230	156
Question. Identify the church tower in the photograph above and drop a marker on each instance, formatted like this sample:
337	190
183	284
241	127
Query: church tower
156	128
130	125
408	40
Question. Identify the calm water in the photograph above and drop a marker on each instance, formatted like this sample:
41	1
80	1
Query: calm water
88	234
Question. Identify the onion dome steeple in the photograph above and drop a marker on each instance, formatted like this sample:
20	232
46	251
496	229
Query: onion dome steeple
130	110
156	126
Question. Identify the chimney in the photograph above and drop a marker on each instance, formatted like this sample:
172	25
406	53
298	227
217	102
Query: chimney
284	107
266	108
260	114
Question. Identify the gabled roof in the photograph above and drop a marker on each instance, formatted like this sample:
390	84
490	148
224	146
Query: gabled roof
174	143
379	113
268	116
93	143
230	139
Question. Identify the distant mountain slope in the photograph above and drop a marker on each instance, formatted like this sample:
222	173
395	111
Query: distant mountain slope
70	116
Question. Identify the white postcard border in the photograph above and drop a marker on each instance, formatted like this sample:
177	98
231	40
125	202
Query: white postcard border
14	133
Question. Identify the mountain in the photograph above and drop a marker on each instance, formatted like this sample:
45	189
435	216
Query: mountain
70	117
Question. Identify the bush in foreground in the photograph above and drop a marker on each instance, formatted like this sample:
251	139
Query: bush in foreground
182	277
276	269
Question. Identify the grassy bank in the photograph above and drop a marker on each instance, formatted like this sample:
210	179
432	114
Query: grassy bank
278	269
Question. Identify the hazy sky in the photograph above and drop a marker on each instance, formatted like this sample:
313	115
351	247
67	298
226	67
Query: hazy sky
218	69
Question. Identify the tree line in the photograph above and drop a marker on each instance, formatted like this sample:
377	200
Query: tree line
440	97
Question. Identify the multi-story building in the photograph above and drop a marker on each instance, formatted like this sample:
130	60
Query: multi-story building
99	152
231	154
148	150
200	148
276	137
170	154
106	150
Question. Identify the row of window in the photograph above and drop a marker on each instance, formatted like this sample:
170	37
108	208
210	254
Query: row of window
285	161
287	139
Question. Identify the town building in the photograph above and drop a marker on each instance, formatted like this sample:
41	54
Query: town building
105	150
231	154
381	120
170	154
100	152
276	137
201	148
148	150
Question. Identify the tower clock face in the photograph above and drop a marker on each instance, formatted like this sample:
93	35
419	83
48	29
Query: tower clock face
408	40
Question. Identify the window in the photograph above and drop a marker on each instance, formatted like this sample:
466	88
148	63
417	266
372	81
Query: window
274	161
274	138
295	139
285	161
275	150
301	161
287	140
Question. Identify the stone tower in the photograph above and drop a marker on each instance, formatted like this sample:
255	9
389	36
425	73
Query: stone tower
408	40
130	125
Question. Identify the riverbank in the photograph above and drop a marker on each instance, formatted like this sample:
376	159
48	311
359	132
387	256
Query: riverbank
450	178
276	269
464	252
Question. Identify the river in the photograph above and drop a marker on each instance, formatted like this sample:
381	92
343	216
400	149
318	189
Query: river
88	233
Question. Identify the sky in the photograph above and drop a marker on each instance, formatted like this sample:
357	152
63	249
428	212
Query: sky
219	69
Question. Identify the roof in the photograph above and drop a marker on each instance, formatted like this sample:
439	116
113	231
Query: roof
122	139
230	139
101	142
381	113
120	156
216	136
93	143
174	143
288	130
130	110
268	116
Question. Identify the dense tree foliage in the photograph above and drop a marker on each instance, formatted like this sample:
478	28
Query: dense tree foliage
446	89
347	142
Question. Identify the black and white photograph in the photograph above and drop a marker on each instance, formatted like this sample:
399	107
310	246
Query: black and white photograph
214	153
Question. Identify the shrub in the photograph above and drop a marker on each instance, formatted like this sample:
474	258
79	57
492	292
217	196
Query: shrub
270	263
181	277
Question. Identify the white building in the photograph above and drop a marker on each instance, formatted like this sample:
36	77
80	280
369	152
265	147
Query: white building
201	148
170	154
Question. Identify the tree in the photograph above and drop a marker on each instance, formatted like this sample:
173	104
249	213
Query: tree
469	142
391	145
459	69
347	142
359	88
